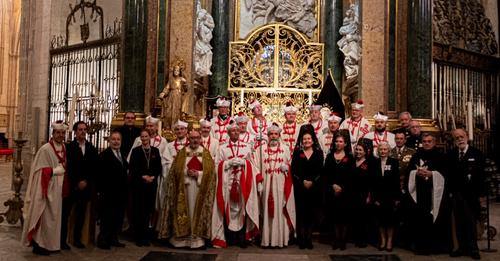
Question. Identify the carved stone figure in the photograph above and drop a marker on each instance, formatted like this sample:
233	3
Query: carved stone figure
349	45
203	50
174	96
299	14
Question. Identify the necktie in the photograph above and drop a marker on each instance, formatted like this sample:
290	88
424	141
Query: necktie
117	154
461	156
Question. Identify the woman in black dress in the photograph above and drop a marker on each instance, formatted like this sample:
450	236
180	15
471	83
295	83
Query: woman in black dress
386	194
339	166
307	165
359	195
145	167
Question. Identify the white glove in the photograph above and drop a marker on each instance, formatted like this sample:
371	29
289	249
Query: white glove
259	137
239	161
260	187
59	170
284	168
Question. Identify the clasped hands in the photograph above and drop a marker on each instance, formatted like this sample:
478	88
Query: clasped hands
192	173
424	172
148	178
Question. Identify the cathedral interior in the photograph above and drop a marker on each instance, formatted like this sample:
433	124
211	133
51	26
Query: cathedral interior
93	60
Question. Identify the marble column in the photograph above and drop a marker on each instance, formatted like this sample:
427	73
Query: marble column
420	58
151	56
333	58
181	37
134	56
220	44
374	59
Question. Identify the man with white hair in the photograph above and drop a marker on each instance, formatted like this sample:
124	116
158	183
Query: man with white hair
221	121
290	127
277	198
404	123
235	216
380	134
47	186
207	141
326	140
245	136
315	119
180	130
258	124
357	125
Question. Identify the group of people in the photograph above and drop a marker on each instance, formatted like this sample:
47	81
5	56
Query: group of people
241	179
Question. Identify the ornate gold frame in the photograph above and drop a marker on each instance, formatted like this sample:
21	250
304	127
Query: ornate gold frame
275	64
237	12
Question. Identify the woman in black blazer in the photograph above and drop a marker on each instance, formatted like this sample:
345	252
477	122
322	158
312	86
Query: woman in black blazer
386	195
307	165
145	167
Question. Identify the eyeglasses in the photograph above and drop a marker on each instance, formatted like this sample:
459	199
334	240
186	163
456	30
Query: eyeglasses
131	118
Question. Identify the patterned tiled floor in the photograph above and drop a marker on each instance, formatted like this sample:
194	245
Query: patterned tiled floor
11	249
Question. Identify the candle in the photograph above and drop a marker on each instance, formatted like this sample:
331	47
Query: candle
310	98
242	96
488	119
470	127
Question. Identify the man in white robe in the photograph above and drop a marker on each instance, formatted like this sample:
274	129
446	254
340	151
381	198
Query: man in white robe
326	140
315	119
190	196
42	210
221	121
357	125
257	126
207	141
290	127
380	134
245	136
277	198
236	206
180	130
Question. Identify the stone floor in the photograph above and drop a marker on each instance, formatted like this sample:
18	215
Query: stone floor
11	249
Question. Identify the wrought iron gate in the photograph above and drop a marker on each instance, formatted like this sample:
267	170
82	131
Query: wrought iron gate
84	80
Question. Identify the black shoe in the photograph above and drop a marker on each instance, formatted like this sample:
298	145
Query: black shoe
139	243
335	246
104	246
381	248
117	244
302	245
40	251
244	244
388	249
361	245
146	243
342	246
309	245
475	256
456	253
65	246
78	244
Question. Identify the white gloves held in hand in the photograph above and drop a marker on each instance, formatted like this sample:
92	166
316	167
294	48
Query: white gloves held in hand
59	170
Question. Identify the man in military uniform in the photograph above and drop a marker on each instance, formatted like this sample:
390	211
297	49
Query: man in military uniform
403	154
414	141
404	123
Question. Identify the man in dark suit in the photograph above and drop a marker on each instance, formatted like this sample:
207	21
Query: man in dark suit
466	187
129	133
81	163
112	190
414	141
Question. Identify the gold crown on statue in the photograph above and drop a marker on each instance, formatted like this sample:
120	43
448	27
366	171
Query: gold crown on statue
178	62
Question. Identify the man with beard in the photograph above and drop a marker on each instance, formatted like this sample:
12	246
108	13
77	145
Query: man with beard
466	187
425	185
414	141
190	189
380	134
235	216
207	141
277	199
316	121
404	123
47	186
357	125
221	121
290	127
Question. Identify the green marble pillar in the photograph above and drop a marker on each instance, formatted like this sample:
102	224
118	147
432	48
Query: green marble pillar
220	44
420	58
333	57
134	56
161	54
